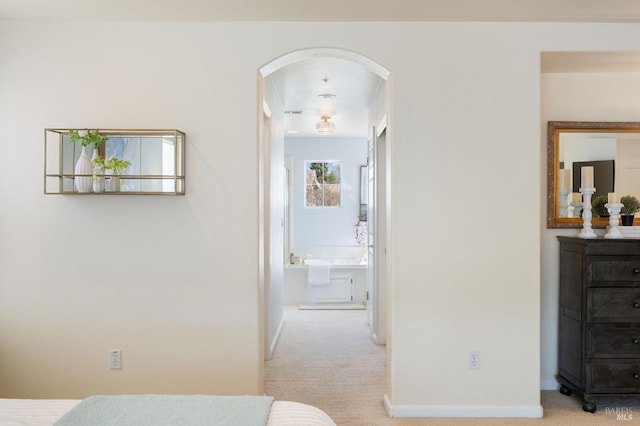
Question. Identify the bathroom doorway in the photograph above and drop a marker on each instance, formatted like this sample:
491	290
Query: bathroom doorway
282	90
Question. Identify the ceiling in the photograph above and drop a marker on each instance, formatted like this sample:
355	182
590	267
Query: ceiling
299	84
327	10
590	62
325	86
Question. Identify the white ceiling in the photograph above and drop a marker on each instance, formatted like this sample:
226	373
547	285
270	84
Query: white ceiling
590	62
300	84
326	10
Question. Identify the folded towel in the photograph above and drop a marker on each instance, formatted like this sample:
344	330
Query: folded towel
319	272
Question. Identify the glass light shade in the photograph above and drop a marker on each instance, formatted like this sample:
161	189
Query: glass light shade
325	127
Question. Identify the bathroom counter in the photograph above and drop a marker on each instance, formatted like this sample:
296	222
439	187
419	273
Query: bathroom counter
333	266
296	288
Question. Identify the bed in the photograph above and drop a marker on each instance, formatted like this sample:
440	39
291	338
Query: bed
47	412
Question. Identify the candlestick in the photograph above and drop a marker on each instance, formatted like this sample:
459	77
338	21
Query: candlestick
565	179
614	215
576	197
575	209
563	205
587	231
586	177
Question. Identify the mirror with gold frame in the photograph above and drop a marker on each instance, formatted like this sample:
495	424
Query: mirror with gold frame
613	148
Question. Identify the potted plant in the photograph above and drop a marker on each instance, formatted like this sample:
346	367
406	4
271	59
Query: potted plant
98	173
597	205
630	207
118	166
87	137
84	166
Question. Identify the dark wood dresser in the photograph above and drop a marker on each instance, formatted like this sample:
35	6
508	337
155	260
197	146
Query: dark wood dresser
599	324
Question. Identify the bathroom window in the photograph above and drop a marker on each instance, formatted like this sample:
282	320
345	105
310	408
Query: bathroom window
322	183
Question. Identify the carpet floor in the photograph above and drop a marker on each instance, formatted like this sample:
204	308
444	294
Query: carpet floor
326	358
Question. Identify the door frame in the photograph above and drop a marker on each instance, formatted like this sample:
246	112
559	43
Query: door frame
264	164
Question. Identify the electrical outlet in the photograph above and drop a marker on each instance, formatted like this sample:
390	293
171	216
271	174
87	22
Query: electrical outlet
115	359
474	359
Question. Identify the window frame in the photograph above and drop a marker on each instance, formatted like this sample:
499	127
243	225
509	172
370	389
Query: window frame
323	206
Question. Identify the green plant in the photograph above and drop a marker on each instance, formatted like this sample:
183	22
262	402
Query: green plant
87	137
631	205
98	161
597	205
118	166
98	167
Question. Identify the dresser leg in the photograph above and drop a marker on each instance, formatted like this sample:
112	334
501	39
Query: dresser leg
589	406
565	390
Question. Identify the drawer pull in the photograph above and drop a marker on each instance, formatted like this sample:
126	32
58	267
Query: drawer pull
635	341
636	271
636	376
636	305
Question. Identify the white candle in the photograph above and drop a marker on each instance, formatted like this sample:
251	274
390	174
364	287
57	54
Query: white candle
586	174
576	197
612	197
565	178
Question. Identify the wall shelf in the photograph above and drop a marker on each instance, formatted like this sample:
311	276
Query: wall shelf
157	162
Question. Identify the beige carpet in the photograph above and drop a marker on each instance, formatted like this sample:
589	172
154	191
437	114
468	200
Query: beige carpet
326	358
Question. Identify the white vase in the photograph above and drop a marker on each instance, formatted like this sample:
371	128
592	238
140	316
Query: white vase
114	184
98	173
83	167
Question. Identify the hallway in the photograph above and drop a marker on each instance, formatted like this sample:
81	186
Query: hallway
327	358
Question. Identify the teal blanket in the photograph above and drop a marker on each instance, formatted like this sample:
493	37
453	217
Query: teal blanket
160	410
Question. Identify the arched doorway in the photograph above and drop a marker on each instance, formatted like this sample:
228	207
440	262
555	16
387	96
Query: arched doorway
274	118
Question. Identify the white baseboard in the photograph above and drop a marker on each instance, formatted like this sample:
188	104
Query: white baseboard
453	411
549	385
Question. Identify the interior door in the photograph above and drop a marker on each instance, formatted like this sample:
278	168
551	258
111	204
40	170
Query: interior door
376	233
380	246
372	304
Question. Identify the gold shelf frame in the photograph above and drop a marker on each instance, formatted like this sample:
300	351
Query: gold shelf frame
55	178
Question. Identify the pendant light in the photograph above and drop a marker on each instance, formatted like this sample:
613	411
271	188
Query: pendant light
325	127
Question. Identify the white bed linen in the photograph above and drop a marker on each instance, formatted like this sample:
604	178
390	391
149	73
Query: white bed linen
287	413
45	412
33	412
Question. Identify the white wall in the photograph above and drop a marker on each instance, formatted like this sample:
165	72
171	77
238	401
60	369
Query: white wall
181	299
574	97
330	226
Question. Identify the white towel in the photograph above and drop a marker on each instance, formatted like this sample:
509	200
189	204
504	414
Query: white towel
319	272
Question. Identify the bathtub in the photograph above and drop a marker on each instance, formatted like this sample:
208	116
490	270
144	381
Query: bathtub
348	278
338	262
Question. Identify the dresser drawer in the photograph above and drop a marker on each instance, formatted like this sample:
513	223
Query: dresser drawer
615	304
613	341
614	376
611	270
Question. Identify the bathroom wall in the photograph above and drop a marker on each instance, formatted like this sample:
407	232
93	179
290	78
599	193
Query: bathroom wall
326	226
325	233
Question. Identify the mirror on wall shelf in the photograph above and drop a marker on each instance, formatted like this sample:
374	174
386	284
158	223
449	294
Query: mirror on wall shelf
611	148
364	193
154	159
